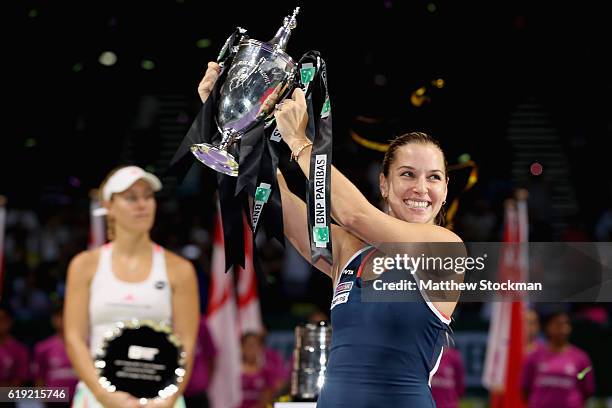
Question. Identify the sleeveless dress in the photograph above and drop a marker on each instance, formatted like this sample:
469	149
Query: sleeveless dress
112	300
383	353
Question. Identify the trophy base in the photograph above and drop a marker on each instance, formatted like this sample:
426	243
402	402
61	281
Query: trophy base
215	158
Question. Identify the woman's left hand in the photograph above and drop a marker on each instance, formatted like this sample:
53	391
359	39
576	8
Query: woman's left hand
292	119
208	82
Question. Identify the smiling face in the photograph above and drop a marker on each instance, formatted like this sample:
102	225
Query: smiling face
416	183
134	208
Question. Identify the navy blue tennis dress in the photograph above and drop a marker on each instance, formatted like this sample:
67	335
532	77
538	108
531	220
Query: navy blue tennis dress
383	354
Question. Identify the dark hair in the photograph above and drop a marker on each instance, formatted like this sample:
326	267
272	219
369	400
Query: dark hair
417	138
248	334
550	316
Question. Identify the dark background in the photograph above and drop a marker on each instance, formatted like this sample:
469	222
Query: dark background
492	57
512	71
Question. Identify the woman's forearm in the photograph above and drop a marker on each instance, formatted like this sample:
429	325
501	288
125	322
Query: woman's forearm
295	225
347	202
82	363
348	205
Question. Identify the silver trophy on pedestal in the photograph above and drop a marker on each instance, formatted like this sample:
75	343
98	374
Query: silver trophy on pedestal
311	353
260	75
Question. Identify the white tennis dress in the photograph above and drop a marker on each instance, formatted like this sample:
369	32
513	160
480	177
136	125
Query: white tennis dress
112	300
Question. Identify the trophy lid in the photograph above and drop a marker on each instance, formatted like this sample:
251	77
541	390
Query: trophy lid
281	38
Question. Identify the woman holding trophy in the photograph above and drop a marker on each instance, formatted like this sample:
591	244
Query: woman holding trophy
129	278
383	353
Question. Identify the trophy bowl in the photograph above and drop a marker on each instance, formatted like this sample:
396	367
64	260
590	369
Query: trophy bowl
142	358
260	75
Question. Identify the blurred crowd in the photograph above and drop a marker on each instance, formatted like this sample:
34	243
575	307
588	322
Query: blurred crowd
39	242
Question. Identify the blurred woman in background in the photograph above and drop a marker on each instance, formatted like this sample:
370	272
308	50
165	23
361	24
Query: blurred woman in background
557	374
130	277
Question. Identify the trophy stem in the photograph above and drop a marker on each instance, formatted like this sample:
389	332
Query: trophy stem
217	157
227	139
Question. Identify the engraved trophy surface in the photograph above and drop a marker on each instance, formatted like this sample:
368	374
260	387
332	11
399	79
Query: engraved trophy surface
259	76
311	353
141	357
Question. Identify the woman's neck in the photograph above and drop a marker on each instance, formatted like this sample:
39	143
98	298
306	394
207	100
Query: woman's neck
251	366
130	244
557	347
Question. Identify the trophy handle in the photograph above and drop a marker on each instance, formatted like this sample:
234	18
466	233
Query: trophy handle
293	82
287	90
230	47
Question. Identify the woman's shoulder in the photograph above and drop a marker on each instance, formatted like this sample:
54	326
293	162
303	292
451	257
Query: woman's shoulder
176	261
88	256
350	246
85	263
578	352
178	267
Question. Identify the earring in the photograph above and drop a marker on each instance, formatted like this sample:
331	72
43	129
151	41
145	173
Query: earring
444	202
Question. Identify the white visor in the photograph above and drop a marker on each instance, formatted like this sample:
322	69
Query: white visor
125	177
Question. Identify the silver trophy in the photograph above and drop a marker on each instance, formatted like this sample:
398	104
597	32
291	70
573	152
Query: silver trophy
260	75
311	353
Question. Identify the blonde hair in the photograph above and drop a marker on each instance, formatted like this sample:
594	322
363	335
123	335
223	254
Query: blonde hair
110	222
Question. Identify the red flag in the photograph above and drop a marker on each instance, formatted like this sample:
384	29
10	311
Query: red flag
506	345
249	311
225	390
